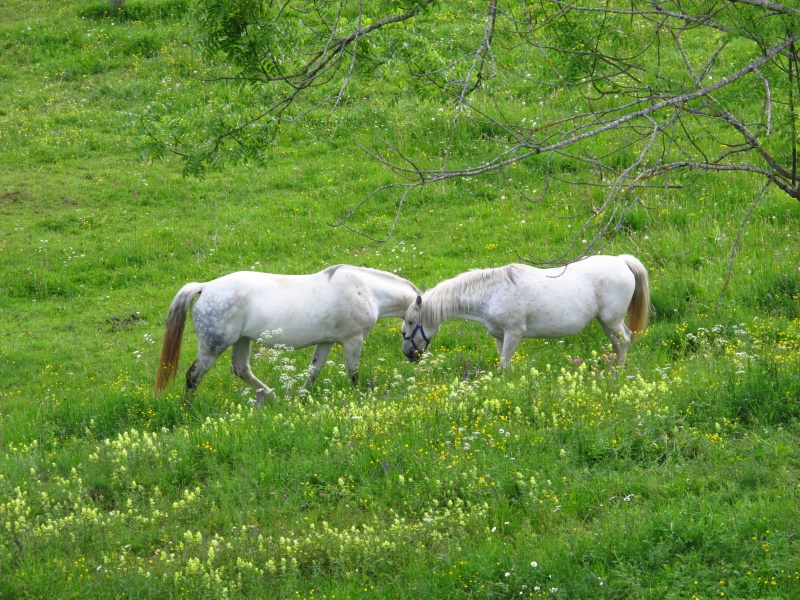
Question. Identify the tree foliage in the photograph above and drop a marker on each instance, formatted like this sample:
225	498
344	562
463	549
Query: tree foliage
617	94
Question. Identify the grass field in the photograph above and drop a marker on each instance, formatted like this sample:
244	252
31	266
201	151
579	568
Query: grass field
679	478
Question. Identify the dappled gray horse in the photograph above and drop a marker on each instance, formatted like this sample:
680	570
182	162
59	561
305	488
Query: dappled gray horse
338	305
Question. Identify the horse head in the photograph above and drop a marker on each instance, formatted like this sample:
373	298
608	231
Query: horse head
415	339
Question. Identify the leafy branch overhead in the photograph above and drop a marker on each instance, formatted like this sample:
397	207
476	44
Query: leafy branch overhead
621	95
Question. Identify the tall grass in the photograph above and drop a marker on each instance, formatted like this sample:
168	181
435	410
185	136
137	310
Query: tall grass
676	478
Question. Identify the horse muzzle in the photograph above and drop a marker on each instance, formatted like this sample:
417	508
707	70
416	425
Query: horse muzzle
410	348
413	354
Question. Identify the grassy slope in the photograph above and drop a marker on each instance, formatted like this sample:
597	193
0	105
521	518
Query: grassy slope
622	488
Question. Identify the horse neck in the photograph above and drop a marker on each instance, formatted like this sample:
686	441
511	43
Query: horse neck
445	302
393	295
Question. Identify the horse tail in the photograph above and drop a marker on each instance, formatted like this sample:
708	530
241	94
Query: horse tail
173	336
639	308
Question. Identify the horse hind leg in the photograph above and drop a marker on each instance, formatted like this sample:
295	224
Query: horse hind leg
199	368
240	365
620	337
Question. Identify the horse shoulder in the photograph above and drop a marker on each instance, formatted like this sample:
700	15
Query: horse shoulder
353	299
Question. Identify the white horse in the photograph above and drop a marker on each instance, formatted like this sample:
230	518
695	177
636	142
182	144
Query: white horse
338	305
518	301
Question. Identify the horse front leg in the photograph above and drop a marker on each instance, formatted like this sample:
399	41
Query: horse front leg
499	342
352	354
507	347
317	361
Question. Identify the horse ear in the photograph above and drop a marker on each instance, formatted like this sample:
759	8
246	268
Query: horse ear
419	300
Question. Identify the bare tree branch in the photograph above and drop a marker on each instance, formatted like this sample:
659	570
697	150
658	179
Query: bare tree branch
625	94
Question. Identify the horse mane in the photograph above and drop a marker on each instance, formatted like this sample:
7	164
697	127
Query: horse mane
451	296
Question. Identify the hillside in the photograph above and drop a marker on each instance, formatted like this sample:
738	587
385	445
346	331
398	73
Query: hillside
676	478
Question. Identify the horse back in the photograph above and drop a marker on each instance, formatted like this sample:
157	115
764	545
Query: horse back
307	309
563	300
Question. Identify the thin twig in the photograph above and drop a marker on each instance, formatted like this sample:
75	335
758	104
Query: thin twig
736	242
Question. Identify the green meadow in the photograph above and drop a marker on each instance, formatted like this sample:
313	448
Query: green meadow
562	478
